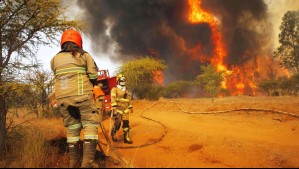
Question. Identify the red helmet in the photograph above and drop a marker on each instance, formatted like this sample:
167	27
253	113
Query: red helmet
71	36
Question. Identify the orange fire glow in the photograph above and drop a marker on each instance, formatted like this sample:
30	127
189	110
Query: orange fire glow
198	15
235	80
159	77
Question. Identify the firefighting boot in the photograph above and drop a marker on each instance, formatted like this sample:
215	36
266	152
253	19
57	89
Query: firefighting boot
89	151
113	132
114	139
127	138
74	153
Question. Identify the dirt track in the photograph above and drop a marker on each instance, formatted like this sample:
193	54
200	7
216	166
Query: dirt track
235	139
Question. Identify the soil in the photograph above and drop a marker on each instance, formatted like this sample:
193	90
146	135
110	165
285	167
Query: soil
232	139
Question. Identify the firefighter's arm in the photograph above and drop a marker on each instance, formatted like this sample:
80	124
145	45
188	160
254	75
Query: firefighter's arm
113	99
130	106
91	68
52	64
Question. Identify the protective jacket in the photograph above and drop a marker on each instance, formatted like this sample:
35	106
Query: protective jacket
121	99
73	74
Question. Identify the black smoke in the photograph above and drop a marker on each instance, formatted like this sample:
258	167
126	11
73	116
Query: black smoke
139	27
245	27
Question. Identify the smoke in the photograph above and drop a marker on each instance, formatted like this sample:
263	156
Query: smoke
134	28
244	26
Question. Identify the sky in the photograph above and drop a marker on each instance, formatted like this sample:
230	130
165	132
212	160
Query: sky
276	9
46	53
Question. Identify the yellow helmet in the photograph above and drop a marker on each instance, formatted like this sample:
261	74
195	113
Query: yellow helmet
119	76
121	80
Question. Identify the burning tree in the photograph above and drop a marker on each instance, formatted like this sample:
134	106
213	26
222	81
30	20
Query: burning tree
24	25
288	51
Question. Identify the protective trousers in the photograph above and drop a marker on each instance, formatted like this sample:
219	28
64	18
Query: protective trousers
80	112
124	117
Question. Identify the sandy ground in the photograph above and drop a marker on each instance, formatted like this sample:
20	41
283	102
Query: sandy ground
234	139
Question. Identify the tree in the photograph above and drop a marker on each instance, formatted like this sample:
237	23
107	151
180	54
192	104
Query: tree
294	84
288	52
140	75
41	82
24	25
210	80
285	85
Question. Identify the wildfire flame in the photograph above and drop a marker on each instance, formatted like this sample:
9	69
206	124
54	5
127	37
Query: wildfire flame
240	78
234	80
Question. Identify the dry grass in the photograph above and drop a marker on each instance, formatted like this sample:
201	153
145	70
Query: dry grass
36	144
40	142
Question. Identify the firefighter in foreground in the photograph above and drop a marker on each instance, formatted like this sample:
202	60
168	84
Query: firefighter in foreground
121	107
75	75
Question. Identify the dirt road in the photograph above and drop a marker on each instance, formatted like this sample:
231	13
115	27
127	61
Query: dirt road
233	139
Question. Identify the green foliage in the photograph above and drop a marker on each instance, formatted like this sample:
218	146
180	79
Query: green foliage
294	85
41	83
210	80
177	89
288	52
281	86
31	91
24	23
270	86
140	76
150	91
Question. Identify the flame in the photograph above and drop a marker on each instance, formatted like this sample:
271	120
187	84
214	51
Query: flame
234	80
198	15
158	77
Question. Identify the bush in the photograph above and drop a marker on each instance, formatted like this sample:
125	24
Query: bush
177	89
150	92
281	86
140	75
269	86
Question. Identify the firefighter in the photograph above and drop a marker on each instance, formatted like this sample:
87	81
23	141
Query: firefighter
75	75
121	107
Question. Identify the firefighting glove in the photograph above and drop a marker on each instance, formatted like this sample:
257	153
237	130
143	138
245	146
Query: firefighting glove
114	111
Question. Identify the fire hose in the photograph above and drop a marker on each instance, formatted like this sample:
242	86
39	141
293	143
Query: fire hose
149	143
110	148
239	109
123	161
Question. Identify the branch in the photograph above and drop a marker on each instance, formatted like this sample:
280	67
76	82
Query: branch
13	13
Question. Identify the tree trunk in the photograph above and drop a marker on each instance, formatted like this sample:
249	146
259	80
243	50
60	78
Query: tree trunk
3	111
2	103
2	124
